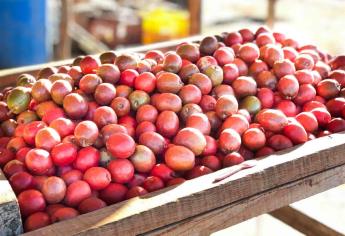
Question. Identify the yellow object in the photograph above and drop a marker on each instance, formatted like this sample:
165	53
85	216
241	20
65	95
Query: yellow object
163	24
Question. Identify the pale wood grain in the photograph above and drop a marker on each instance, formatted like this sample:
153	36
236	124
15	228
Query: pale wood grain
201	195
10	221
236	212
303	223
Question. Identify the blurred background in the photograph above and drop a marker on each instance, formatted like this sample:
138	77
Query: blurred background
38	31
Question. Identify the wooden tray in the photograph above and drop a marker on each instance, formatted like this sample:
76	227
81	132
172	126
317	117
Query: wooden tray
201	206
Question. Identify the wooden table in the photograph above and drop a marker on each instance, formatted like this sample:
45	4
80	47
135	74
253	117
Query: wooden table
203	205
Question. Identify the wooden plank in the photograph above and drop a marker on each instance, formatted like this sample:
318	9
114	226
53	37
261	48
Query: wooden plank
10	220
64	47
8	76
242	210
303	223
271	13
201	195
194	7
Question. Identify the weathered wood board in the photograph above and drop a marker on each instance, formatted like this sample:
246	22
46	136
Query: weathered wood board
10	221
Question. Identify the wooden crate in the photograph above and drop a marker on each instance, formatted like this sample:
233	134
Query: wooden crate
212	202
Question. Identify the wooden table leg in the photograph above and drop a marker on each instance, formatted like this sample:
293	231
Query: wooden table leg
64	47
194	7
271	13
302	222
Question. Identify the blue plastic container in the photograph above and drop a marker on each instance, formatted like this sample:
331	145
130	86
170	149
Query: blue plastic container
23	33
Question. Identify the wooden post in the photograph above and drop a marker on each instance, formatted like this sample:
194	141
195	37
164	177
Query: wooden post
10	220
271	13
194	7
64	47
